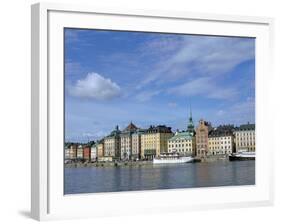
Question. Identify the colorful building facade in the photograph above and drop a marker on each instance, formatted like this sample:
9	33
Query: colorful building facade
87	152
202	132
154	141
112	144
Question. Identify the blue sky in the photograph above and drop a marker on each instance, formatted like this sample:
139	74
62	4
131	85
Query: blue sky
113	77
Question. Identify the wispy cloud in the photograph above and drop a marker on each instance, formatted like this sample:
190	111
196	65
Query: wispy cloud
200	56
244	109
146	95
160	44
238	113
73	68
205	87
172	104
152	78
95	86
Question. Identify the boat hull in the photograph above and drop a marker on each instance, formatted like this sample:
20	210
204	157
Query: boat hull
177	160
240	158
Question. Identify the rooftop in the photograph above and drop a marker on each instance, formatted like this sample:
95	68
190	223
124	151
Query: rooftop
184	135
131	127
222	130
159	129
246	127
114	133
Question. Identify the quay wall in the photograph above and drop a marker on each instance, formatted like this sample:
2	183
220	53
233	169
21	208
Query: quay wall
107	164
214	158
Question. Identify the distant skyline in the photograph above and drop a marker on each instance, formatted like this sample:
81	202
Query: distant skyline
115	77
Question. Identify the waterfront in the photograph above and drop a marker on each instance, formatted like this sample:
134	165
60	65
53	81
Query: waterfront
151	177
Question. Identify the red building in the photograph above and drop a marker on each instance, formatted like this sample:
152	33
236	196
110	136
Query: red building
87	153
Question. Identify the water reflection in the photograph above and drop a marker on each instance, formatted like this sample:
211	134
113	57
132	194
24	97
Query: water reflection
160	176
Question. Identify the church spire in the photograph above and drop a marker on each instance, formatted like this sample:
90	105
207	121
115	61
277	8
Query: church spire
190	112
190	126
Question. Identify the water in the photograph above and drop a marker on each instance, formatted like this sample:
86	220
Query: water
168	176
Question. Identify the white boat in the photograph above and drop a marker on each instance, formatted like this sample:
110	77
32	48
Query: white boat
243	156
172	158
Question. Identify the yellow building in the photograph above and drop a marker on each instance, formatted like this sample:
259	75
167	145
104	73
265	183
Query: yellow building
112	144
100	149
154	141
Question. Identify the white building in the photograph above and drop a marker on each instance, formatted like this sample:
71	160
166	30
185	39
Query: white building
126	143
245	138
221	140
136	144
94	152
80	152
183	143
67	152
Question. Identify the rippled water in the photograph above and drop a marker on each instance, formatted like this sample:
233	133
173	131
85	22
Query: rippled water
168	176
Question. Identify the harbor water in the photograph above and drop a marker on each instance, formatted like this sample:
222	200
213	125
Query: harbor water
158	176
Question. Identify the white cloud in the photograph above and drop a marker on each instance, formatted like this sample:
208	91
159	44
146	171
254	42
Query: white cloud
95	86
205	87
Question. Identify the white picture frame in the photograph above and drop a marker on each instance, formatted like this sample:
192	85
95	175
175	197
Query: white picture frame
48	201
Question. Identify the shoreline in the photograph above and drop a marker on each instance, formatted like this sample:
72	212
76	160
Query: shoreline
136	163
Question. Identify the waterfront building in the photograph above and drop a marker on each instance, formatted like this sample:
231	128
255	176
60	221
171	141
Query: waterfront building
100	148
126	141
67	152
245	138
97	150
136	143
94	152
154	141
112	144
73	151
184	142
221	140
80	152
87	152
202	132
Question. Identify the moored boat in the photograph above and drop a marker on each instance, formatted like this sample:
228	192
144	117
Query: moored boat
242	156
172	158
